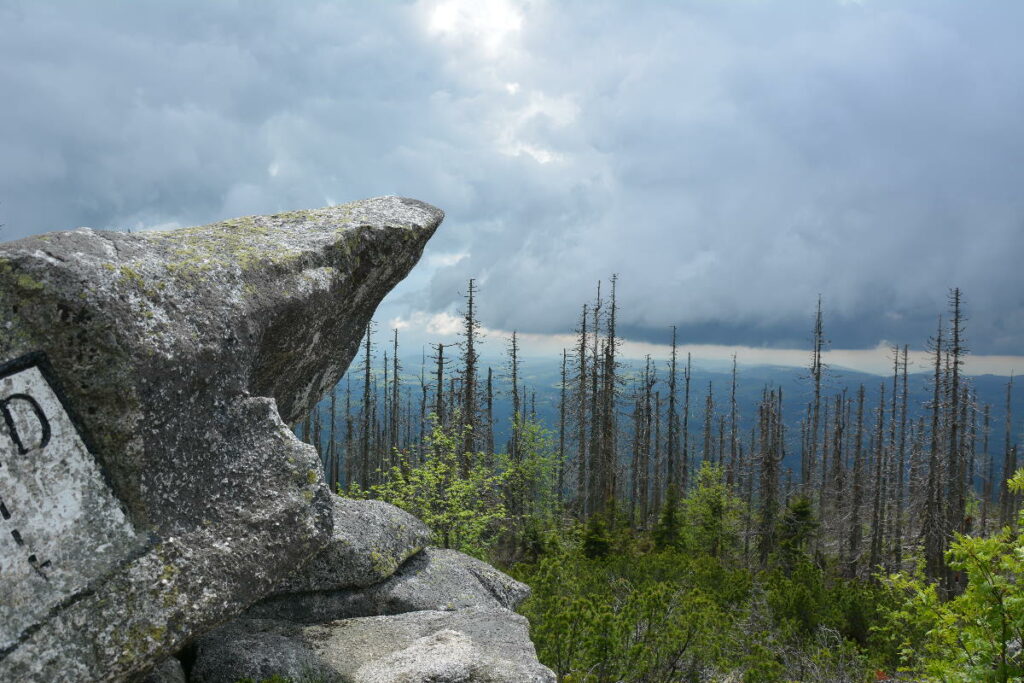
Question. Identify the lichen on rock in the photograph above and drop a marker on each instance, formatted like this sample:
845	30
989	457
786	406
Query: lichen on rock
182	357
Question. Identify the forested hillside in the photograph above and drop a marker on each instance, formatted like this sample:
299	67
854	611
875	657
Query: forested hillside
684	523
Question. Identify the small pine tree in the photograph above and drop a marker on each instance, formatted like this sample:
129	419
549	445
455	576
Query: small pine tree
795	530
596	542
667	531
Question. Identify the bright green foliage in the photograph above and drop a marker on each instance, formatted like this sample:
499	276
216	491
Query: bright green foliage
683	603
678	616
793	532
667	531
596	542
799	598
712	516
624	617
458	495
977	635
474	502
529	485
615	607
707	521
531	478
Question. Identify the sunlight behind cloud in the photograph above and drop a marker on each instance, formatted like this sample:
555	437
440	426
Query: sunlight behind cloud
422	324
445	259
487	24
558	112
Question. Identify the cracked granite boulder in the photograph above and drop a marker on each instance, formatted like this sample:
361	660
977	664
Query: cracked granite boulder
442	617
486	645
434	579
370	540
149	485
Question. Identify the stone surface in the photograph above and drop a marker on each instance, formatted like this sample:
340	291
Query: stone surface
51	490
371	539
167	671
257	649
446	656
473	644
179	358
435	579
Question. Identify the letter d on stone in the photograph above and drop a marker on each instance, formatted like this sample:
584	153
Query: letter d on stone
14	401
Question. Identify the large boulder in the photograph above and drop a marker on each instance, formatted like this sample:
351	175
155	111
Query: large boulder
435	579
150	485
370	540
169	670
486	645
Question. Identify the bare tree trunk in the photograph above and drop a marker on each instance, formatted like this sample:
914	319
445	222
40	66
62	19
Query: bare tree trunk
748	496
822	514
837	484
708	454
421	442
649	381
816	373
561	430
659	481
596	456
396	399
956	495
517	417
934	540
857	493
733	441
332	446
970	412
901	469
366	424
1006	503
582	459
635	464
439	405
673	416
609	430
490	413
383	443
471	327
877	518
988	463
685	465
771	455
350	461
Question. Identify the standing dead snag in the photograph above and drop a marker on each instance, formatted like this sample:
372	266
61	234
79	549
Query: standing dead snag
470	332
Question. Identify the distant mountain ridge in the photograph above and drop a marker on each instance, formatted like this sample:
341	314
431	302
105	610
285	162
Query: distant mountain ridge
541	378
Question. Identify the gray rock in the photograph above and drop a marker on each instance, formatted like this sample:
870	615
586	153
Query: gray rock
257	649
474	644
435	579
445	656
151	485
167	671
371	539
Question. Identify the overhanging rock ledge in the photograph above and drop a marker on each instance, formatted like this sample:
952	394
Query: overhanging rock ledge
146	387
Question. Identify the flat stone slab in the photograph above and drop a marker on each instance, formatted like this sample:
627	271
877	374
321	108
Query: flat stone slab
51	490
435	579
475	644
169	493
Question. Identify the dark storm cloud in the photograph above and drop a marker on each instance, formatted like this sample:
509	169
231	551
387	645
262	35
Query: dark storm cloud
730	161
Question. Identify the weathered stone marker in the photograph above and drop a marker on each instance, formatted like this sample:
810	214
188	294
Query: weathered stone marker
63	527
149	485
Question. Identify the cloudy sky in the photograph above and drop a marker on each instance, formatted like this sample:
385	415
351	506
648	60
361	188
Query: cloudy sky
729	160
